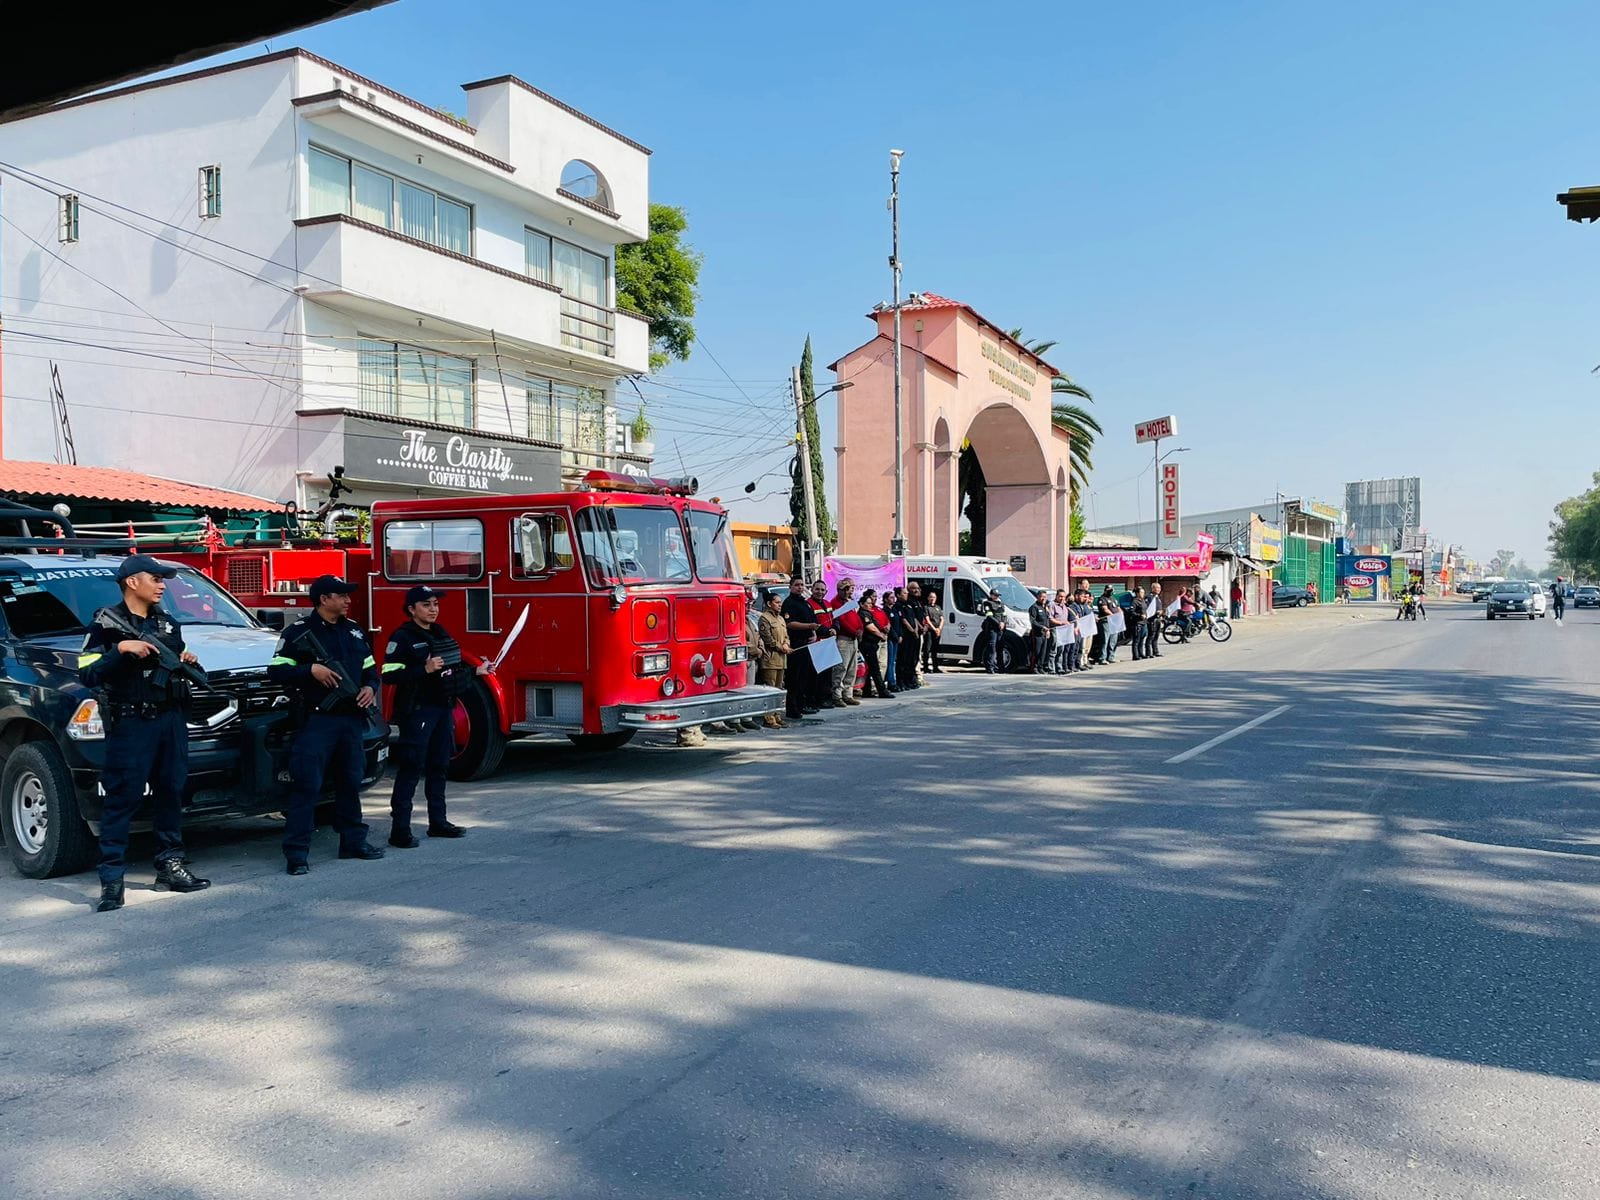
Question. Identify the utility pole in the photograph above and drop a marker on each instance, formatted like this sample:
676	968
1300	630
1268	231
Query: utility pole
897	545
813	551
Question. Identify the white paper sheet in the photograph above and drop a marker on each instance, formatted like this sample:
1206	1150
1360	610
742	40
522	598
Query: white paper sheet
824	654
1087	625
1115	624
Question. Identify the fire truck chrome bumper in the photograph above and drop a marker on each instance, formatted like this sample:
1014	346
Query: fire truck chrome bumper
753	701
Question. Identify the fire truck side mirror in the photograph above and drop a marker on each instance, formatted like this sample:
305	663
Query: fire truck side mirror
532	544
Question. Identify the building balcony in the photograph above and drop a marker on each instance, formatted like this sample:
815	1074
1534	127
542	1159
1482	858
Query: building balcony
359	267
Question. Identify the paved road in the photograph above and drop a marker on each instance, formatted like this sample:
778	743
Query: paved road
989	941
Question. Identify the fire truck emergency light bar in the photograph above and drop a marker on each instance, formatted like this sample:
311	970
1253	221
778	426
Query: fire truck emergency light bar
616	481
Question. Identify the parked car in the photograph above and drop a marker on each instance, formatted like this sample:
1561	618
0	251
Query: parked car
1515	599
1587	596
1286	595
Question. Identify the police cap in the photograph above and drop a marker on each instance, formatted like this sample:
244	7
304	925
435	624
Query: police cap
330	585
134	564
419	593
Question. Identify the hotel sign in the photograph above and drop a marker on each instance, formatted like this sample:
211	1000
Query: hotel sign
1171	523
1155	429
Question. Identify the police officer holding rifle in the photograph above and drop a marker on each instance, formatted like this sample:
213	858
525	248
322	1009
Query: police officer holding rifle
423	663
135	657
325	662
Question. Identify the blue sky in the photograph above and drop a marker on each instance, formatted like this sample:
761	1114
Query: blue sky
1324	236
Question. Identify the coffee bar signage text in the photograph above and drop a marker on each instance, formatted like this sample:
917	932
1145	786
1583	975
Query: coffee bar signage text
464	461
1155	429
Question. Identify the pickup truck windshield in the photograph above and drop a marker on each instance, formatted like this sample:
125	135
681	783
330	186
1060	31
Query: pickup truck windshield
48	603
633	544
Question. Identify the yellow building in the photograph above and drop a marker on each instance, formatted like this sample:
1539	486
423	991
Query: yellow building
763	549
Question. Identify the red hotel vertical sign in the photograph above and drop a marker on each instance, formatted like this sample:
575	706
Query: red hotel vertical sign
1171	523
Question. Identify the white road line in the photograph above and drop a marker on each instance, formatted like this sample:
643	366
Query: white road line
1232	733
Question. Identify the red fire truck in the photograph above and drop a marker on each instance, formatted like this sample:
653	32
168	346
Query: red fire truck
609	610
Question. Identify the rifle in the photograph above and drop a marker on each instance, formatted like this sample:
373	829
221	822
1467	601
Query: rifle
168	663
344	690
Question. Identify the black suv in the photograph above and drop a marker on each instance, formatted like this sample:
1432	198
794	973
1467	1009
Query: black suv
52	742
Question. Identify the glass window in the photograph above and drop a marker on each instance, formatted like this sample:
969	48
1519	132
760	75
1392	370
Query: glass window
408	381
536	249
568	414
416	213
558	552
330	183
211	191
713	548
632	544
455	226
69	219
579	274
433	549
542	423
374	197
964	595
65	601
1012	593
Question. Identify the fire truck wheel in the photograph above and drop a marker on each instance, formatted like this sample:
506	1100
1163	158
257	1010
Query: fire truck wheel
602	741
481	745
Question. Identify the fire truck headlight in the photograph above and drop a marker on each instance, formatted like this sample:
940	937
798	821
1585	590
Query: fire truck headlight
618	595
734	654
654	664
85	725
670	687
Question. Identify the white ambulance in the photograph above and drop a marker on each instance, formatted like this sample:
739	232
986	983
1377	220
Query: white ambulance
963	583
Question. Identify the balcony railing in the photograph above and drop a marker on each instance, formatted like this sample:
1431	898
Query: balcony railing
588	327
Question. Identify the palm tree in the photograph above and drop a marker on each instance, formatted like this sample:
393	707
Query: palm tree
1079	423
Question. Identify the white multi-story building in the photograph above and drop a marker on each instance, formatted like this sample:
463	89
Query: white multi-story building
250	275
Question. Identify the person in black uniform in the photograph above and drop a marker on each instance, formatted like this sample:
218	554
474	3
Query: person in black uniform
1039	630
804	626
147	734
424	665
325	662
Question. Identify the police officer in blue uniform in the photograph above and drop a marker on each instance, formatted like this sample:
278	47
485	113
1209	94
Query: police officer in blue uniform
145	710
423	663
325	662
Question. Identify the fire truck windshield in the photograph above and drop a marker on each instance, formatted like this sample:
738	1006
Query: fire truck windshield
633	544
713	548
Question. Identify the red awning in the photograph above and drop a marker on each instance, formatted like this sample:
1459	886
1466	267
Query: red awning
54	481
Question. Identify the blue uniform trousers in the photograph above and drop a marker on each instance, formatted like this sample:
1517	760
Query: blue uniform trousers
427	740
328	749
141	750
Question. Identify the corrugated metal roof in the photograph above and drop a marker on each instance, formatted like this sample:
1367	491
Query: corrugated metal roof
55	481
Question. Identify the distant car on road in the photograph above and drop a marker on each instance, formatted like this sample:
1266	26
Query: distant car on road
1515	599
1287	595
1587	596
1480	591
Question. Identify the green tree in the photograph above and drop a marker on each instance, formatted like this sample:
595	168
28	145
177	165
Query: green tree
1575	533
1077	421
1078	526
657	278
819	482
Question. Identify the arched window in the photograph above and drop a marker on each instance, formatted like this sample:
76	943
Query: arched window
584	181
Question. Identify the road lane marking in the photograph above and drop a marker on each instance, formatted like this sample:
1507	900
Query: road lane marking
1232	733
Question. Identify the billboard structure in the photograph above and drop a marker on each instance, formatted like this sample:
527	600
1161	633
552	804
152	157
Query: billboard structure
1383	512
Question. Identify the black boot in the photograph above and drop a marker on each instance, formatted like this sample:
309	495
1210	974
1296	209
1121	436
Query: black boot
173	876
403	839
110	897
446	830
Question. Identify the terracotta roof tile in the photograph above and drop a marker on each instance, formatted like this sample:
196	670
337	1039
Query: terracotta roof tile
53	481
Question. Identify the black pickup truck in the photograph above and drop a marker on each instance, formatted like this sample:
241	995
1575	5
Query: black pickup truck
52	741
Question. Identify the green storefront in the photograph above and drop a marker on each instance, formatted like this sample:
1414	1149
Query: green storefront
1308	546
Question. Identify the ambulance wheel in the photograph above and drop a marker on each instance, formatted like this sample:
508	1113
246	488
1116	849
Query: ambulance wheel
479	743
602	741
1012	654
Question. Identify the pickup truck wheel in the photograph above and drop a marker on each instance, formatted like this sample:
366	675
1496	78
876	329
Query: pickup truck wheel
602	741
479	743
45	835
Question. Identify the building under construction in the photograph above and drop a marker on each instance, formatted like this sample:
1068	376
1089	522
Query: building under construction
1384	514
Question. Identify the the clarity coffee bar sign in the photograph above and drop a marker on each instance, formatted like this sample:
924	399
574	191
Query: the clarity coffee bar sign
396	453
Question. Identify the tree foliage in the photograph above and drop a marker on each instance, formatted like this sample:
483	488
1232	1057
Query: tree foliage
1575	533
819	489
658	279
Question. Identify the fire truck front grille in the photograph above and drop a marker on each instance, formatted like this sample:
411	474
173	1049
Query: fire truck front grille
247	576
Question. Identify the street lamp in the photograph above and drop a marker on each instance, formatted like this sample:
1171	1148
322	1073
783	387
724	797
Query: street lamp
897	545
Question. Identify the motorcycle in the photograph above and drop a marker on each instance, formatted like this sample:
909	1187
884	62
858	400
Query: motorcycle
1181	629
1408	608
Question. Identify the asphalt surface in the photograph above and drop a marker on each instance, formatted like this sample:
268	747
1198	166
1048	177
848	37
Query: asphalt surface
985	941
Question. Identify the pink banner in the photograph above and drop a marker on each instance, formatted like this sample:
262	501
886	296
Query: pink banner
1115	563
878	576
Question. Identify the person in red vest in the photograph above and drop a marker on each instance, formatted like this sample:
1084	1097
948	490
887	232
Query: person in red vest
1236	600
